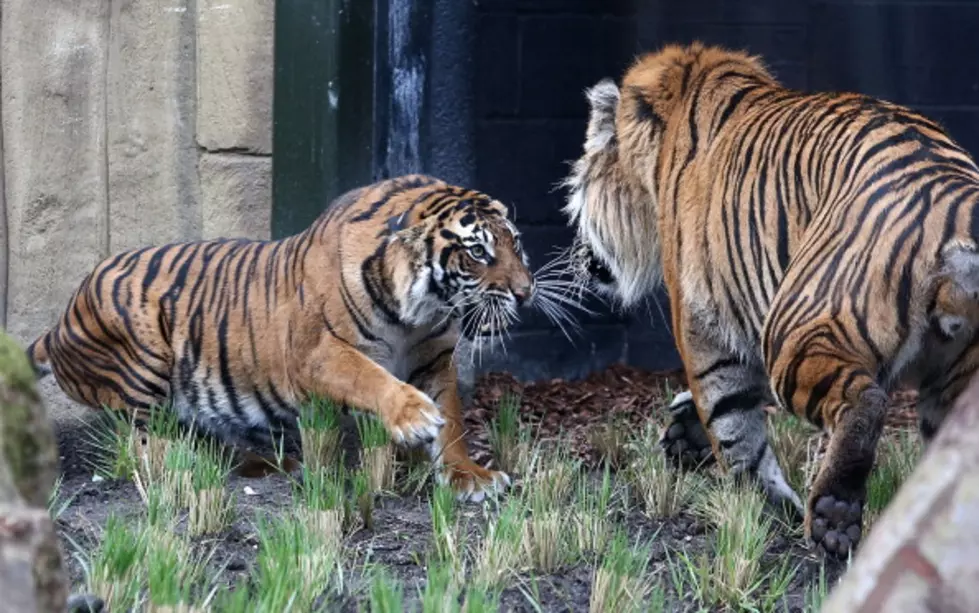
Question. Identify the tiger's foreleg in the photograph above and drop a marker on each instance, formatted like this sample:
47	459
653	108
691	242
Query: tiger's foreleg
818	380
730	394
337	370
438	378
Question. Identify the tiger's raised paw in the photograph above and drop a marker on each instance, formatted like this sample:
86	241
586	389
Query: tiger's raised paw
685	441
472	482
835	527
415	421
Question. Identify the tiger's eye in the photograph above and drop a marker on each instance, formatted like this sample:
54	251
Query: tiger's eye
477	251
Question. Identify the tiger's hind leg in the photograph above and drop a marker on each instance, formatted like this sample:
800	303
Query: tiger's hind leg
823	378
685	441
730	394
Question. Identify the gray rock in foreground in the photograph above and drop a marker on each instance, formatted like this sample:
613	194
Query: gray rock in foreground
32	577
923	553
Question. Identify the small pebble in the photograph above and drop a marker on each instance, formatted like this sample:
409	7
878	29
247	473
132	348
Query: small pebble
97	478
249	491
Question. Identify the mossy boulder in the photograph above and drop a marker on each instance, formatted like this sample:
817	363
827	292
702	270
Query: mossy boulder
32	576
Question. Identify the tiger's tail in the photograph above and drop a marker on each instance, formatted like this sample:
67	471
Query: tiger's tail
37	353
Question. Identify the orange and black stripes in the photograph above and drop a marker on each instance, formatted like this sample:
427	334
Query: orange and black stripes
219	329
803	239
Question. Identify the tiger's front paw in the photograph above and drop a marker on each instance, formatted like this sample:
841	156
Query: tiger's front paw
414	419
473	482
685	441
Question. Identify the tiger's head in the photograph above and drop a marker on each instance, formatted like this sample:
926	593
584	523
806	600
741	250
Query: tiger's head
614	185
612	203
477	268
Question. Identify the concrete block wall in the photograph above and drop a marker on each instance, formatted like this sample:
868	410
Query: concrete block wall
125	123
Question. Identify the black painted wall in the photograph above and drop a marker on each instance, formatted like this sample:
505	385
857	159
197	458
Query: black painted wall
504	111
534	58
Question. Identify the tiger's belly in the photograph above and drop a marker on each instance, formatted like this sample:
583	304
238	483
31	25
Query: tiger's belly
250	410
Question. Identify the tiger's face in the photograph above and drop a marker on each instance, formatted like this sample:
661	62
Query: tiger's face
479	268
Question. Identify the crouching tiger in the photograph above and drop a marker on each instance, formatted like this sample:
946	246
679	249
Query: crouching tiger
818	249
365	307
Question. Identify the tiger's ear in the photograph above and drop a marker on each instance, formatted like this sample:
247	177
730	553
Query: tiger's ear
603	98
412	237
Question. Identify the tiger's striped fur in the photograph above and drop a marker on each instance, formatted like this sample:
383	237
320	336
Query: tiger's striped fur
817	248
366	307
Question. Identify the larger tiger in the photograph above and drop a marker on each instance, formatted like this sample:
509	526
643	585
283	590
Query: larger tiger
818	249
365	307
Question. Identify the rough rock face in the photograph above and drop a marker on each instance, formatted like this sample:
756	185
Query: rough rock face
32	578
922	553
125	124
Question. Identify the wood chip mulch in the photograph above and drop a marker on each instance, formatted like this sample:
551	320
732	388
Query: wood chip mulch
619	394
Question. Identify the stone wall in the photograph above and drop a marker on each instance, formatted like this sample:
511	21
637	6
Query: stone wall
125	123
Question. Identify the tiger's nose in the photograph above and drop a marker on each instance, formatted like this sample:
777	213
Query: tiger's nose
523	293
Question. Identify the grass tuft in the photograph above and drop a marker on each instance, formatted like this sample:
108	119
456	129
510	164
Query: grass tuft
732	574
509	440
162	427
178	473
363	500
114	438
386	594
57	504
479	600
322	503
499	554
173	572
545	536
621	583
447	535
552	473
114	571
442	590
591	513
816	593
377	454
319	430
660	490
897	455
794	442
611	441
295	566
211	506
